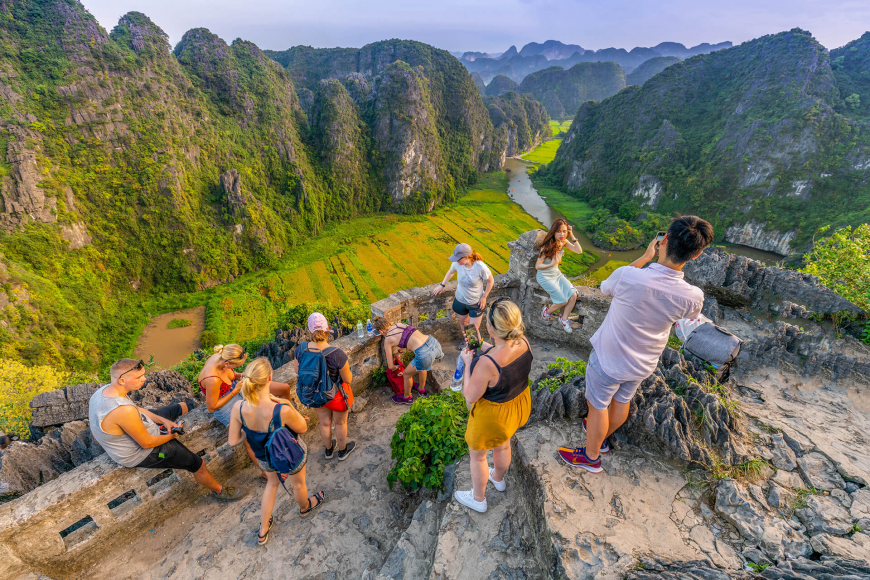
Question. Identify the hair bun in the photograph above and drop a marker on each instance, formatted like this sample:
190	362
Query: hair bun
219	348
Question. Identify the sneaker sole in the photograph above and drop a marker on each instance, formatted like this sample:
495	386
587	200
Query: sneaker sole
346	455
588	468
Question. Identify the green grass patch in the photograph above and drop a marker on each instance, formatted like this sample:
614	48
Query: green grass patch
607	269
559	127
179	323
577	212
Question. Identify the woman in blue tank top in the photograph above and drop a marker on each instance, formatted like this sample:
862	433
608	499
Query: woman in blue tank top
253	420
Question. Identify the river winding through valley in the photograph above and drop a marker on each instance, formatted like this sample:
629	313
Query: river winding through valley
521	190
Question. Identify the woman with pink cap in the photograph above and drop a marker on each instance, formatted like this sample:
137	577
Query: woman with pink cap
334	412
474	282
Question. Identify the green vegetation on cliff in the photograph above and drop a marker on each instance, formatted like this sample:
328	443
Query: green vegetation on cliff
740	135
499	85
650	68
520	121
134	174
562	91
851	66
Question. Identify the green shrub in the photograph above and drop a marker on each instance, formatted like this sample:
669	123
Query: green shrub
191	366
179	323
430	436
675	343
841	263
570	369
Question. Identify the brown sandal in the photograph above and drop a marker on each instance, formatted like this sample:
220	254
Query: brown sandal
319	497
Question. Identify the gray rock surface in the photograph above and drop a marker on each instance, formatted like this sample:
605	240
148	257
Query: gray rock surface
824	514
783	457
856	548
788	479
819	472
860	508
775	537
62	406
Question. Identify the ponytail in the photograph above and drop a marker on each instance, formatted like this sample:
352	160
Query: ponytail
255	377
231	353
475	257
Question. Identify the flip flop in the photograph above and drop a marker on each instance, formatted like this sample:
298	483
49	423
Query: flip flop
319	497
261	540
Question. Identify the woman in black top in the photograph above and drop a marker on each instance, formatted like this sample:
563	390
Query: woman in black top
496	390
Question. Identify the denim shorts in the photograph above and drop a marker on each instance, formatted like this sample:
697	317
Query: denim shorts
427	354
601	388
223	414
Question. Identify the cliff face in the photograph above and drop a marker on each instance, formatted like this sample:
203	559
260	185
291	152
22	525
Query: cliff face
562	91
747	137
465	134
521	122
850	64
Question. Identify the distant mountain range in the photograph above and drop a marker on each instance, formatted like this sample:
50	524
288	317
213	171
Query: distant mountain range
534	56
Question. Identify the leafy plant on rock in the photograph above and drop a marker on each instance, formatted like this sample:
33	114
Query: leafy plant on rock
429	437
842	263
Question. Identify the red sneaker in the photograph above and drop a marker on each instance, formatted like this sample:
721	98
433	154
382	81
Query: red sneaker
576	457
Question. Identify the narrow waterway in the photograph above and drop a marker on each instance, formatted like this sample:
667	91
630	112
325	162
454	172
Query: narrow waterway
170	346
521	190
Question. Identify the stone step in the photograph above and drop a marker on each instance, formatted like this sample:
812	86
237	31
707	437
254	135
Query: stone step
411	557
598	525
496	545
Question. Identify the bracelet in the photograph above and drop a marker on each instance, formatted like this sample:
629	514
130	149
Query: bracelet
441	284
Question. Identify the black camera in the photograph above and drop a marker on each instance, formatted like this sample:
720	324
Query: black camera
179	430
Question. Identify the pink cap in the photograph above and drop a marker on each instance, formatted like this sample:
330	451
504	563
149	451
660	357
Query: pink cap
317	321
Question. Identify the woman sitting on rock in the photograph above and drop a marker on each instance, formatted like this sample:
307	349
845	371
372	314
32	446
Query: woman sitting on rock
219	382
471	277
496	390
557	285
337	365
426	351
253	420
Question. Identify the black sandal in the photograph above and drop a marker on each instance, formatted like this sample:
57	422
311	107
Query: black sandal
319	497
261	540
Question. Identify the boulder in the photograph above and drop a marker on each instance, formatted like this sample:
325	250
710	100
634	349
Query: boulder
860	508
824	514
775	537
62	406
783	457
788	479
856	548
819	472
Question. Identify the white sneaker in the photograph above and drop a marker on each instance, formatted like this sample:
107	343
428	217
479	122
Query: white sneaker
544	314
566	325
499	485
466	498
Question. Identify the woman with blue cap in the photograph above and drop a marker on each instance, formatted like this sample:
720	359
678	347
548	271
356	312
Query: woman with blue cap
474	282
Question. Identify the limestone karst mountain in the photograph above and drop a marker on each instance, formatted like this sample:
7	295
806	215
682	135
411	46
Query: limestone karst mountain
562	91
749	137
534	57
132	168
499	85
521	122
650	68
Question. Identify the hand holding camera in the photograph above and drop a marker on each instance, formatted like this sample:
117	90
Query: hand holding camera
177	430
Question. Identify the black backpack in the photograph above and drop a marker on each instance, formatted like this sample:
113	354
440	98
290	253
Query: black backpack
314	386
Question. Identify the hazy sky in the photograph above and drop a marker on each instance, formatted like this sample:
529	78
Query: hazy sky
489	25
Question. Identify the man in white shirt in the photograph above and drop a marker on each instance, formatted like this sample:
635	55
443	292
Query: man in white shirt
627	346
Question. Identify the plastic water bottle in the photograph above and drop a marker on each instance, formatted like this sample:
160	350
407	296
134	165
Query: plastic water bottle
360	333
370	330
456	385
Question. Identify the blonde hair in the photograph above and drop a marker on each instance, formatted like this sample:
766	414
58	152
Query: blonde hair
255	377
320	335
231	353
474	257
507	321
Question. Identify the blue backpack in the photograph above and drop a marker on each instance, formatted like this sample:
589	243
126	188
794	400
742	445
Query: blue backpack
314	386
284	453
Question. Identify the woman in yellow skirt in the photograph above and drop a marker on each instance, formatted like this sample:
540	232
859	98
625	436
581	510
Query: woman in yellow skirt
496	390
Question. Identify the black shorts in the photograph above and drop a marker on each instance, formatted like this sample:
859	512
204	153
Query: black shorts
473	310
173	454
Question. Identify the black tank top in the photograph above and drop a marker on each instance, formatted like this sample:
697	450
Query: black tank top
513	379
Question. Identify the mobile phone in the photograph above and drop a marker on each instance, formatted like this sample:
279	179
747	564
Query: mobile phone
471	338
660	236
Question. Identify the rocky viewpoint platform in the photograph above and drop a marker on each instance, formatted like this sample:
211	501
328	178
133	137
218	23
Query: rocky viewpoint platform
762	476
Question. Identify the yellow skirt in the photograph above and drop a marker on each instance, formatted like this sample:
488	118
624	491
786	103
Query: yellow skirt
491	424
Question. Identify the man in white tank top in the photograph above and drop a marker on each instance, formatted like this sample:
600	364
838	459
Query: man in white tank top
133	437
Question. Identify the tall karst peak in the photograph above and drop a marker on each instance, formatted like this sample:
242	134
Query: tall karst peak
139	33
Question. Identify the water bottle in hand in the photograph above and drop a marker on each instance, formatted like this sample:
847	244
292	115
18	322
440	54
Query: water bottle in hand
360	333
456	385
370	330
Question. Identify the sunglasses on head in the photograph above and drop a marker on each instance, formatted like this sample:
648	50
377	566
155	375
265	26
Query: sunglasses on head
139	366
492	309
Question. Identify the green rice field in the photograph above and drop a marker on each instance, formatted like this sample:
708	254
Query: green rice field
602	273
546	151
365	259
572	208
